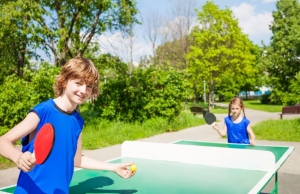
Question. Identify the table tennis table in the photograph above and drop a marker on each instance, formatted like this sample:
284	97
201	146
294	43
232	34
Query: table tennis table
186	167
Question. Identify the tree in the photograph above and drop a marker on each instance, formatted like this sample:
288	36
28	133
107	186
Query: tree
282	57
14	42
169	53
220	51
65	28
254	80
176	35
184	12
121	45
153	24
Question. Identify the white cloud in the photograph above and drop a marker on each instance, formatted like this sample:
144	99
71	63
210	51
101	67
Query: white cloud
253	24
118	45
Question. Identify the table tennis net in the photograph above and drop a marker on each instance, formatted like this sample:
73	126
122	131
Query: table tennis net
202	155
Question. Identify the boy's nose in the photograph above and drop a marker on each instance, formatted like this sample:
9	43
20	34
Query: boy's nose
83	89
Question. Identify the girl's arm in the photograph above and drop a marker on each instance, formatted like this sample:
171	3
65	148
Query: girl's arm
82	161
24	161
252	136
222	132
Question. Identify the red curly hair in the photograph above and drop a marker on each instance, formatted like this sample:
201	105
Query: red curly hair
77	68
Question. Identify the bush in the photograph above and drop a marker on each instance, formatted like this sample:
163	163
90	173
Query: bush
292	97
145	94
19	95
265	99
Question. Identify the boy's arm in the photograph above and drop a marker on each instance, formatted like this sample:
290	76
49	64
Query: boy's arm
24	161
82	161
251	133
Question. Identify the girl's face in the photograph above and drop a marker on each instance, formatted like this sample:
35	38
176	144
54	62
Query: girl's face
78	91
235	109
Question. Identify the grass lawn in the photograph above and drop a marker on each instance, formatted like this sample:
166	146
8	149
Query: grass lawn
251	104
278	130
256	105
4	163
215	110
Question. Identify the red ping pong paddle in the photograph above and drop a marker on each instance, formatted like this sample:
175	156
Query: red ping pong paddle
43	143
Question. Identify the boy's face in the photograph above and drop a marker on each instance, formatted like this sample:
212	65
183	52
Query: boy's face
78	91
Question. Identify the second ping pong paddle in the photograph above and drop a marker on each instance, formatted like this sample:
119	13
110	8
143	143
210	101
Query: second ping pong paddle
43	143
210	118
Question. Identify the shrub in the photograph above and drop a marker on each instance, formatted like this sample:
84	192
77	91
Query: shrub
145	94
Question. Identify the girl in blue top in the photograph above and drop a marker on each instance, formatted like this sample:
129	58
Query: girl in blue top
236	126
77	81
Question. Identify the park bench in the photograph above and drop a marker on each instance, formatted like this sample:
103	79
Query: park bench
290	110
198	110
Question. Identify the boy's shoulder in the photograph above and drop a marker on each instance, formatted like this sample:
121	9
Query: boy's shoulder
47	103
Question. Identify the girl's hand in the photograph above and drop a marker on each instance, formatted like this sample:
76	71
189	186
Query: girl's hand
252	141
26	162
121	170
215	126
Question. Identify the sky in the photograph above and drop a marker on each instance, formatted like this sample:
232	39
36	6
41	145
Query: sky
254	18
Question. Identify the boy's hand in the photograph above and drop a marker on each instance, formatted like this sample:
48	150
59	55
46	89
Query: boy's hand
122	171
252	141
26	162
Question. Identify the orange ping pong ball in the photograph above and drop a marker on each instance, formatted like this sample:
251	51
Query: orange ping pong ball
133	167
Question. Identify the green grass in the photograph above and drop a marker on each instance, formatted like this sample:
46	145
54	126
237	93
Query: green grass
4	163
256	105
102	133
278	130
219	110
215	109
251	104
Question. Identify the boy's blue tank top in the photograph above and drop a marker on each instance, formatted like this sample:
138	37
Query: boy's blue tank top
54	176
237	132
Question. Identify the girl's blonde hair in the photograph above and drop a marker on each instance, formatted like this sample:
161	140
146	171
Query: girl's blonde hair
77	68
238	101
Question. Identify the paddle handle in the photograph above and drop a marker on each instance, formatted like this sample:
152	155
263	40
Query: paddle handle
33	154
215	126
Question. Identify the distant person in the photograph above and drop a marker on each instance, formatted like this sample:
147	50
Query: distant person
77	81
236	126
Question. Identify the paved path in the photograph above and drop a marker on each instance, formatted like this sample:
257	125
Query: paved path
289	173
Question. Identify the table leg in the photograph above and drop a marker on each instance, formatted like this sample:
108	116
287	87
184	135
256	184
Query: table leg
275	190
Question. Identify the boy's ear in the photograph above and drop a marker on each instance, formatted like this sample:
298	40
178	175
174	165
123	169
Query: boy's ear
64	85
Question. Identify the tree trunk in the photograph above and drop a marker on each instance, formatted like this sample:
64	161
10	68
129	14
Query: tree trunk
62	59
211	93
21	59
195	94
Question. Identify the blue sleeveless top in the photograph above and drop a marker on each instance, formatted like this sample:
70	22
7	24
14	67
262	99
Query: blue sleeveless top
237	132
55	175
